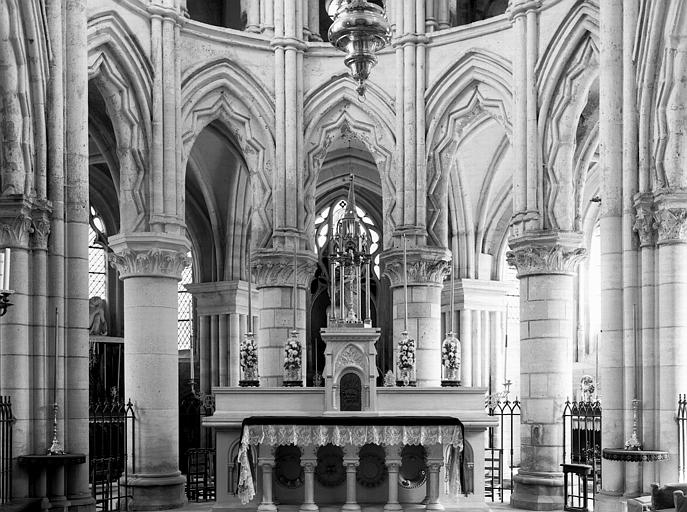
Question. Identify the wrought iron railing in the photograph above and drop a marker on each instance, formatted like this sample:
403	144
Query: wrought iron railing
582	447
501	453
6	424
111	457
682	437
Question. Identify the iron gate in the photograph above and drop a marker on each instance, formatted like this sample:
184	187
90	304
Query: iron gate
501	456
109	424
582	447
682	437
6	423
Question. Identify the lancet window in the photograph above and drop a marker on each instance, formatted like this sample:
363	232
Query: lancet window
185	310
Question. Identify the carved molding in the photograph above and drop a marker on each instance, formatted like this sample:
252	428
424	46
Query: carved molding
545	259
671	225
350	356
24	222
425	266
275	268
149	254
644	223
41	226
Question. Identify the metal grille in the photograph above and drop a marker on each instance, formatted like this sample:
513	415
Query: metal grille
97	266
111	458
185	305
6	423
682	437
500	462
582	447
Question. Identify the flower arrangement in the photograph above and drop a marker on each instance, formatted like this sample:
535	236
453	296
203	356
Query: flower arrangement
406	352
450	352
248	353
292	353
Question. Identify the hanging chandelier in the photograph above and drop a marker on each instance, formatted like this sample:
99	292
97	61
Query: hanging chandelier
360	29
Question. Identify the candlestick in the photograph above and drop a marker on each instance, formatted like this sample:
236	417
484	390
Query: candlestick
56	446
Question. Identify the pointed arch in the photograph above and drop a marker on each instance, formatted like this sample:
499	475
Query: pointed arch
475	90
223	91
568	88
121	72
334	109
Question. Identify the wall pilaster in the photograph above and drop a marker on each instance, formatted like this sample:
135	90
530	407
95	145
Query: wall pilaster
150	264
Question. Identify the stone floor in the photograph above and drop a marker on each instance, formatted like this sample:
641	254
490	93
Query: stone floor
207	507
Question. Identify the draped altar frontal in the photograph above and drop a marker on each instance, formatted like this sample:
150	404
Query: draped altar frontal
419	448
441	436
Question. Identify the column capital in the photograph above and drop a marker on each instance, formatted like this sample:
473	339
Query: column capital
644	223
274	267
144	254
546	252
520	7
17	214
670	216
426	266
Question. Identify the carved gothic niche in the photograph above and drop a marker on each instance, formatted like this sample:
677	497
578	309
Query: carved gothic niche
350	392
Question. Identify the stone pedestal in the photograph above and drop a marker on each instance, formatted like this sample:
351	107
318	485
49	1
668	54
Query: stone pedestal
426	268
150	265
350	350
546	265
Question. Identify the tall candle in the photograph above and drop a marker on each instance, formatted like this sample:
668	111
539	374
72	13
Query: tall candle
2	270
6	273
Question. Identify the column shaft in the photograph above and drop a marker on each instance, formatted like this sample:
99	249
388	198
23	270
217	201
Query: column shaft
351	504
223	356
235	337
267	503
466	347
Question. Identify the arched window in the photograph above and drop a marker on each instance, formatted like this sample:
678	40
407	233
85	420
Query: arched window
97	259
185	315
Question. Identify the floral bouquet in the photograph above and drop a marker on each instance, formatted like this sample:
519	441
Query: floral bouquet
248	354
450	352
406	352
292	353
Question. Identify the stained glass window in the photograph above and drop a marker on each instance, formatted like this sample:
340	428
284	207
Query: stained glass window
97	259
185	305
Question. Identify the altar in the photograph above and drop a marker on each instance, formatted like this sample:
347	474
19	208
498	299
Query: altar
420	447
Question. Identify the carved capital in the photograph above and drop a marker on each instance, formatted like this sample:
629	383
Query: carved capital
149	254
644	223
425	266
546	253
274	267
15	221
41	225
671	224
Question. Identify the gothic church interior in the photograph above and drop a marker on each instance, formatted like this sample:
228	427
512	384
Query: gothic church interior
465	234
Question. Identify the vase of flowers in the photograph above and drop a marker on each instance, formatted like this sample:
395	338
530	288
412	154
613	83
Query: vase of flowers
248	359
293	358
406	360
450	361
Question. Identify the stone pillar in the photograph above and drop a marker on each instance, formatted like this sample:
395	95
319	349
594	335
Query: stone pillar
253	16
314	19
433	482
443	18
150	264
273	271
393	466
671	295
309	461
466	347
546	265
267	503
350	462
425	273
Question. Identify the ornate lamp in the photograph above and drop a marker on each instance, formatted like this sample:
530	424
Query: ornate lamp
360	29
